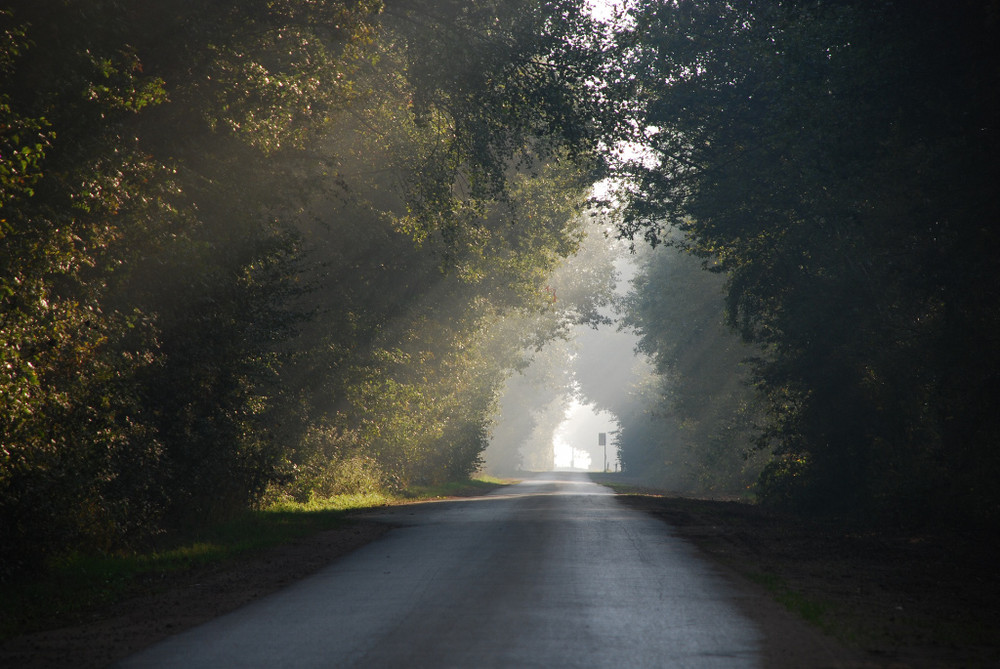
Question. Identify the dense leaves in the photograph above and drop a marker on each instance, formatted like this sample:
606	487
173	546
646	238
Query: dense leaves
690	425
266	248
276	247
837	161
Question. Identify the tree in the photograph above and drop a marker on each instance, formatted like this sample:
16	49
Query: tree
691	426
843	198
230	237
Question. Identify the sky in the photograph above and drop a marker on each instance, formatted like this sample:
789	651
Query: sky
603	10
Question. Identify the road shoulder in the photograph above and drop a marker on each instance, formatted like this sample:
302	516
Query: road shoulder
872	598
182	601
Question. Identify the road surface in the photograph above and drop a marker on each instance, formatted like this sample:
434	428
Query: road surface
552	572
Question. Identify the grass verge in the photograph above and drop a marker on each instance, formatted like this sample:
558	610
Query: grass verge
77	586
809	609
469	488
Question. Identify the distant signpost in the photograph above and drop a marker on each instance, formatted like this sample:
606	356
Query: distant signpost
602	440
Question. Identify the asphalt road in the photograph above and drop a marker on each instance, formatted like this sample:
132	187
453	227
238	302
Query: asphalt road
552	572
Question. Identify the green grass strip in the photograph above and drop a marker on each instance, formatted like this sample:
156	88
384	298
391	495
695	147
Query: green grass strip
79	583
469	488
809	609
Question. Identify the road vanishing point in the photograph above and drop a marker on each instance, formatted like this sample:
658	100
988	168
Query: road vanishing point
551	572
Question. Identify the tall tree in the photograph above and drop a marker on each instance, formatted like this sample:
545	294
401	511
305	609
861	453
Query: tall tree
690	426
177	180
835	161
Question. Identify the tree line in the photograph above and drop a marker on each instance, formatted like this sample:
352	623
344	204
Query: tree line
264	249
836	163
281	248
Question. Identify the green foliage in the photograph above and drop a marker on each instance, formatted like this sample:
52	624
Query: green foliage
261	250
327	463
692	424
829	160
535	400
808	608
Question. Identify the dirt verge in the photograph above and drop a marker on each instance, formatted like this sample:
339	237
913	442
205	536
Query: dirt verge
180	601
872	599
898	598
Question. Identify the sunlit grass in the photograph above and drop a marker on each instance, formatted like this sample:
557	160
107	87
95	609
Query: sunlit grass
478	485
621	485
79	583
337	503
624	488
485	478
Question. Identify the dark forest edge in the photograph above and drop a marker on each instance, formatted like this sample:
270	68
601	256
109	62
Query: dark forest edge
276	250
851	209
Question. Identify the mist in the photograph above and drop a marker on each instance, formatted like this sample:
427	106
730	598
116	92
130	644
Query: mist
575	388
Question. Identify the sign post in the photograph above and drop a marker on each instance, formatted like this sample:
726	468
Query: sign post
602	440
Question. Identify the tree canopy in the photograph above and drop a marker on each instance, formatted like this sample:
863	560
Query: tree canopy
263	248
836	161
254	249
